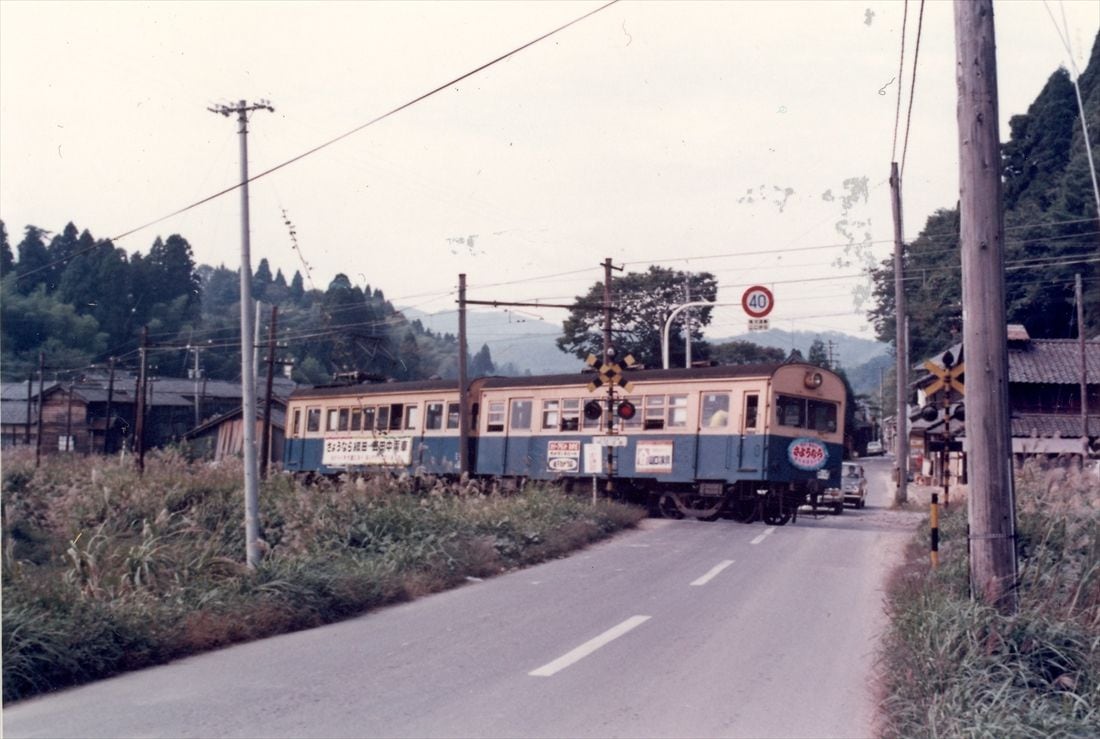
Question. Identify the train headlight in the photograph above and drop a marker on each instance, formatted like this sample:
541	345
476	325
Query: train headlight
813	380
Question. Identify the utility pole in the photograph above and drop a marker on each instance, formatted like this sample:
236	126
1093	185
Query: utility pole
687	325
463	401
195	373
901	340
1077	292
606	310
139	402
110	398
992	504
30	396
248	372
265	439
41	381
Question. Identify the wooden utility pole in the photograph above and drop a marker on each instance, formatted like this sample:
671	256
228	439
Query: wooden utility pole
139	402
69	421
1077	292
463	401
110	398
41	382
30	397
606	310
265	438
992	505
901	340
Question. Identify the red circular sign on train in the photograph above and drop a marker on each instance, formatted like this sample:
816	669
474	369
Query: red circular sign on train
758	301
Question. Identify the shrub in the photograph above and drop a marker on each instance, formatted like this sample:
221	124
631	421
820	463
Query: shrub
106	570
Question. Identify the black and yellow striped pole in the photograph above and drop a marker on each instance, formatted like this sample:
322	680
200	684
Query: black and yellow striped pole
934	518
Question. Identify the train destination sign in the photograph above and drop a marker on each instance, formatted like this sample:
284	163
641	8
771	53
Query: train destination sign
758	301
609	440
367	450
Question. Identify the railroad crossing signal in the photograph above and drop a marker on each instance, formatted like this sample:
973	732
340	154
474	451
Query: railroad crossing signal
947	378
610	373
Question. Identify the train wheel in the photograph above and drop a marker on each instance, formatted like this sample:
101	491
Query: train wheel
668	507
776	518
697	506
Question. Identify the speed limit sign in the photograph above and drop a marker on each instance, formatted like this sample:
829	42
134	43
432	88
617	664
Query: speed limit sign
758	301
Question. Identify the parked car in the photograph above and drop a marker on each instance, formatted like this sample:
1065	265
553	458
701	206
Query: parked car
853	483
874	448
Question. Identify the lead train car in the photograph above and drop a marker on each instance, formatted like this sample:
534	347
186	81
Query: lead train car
752	440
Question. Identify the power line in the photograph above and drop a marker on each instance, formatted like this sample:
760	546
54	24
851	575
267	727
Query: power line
342	136
901	69
912	89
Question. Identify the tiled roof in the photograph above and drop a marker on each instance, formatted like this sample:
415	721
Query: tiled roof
1048	425
1056	361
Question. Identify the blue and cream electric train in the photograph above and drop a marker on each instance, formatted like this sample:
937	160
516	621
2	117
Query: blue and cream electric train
750	441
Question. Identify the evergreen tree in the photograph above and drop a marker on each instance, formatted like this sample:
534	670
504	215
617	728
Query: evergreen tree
297	288
7	259
482	363
33	258
261	281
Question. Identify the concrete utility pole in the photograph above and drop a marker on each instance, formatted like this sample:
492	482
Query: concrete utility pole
248	371
992	504
687	325
901	340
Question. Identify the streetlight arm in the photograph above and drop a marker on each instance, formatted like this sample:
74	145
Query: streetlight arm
668	324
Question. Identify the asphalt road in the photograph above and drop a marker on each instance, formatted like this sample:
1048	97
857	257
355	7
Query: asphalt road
681	628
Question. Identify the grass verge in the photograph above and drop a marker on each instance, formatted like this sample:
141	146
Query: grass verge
106	571
954	667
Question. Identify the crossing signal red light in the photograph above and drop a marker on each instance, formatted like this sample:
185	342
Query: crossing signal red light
626	410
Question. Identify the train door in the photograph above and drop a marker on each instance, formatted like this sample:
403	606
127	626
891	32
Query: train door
517	444
715	437
751	453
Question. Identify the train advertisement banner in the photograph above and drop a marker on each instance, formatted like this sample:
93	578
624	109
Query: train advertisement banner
653	457
563	456
807	454
368	451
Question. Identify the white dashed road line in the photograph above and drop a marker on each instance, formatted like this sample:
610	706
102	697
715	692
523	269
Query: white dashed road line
589	647
763	536
713	572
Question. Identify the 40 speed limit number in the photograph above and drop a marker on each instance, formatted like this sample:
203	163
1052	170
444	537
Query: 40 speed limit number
758	301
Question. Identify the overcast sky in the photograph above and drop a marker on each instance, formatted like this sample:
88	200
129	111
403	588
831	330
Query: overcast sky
651	132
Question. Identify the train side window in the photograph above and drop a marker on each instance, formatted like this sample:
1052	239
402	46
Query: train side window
677	410
345	414
822	415
396	414
551	412
356	419
752	410
296	426
453	417
313	419
790	411
332	423
383	418
495	421
521	415
412	417
570	414
654	412
715	410
433	419
368	418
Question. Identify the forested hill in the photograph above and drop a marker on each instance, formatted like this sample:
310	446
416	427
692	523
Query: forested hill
81	301
1052	230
